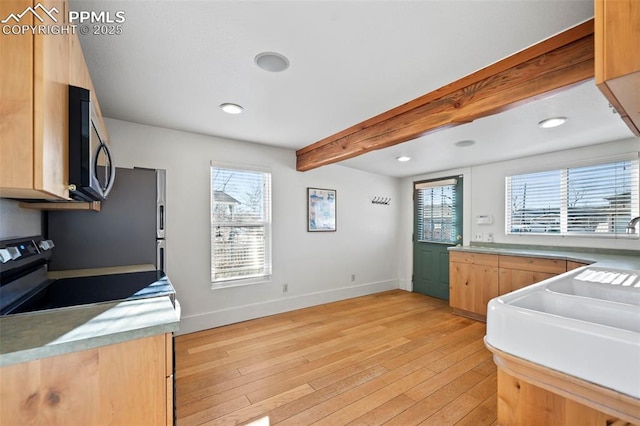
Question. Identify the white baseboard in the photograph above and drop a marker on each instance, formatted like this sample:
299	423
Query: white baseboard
236	314
405	285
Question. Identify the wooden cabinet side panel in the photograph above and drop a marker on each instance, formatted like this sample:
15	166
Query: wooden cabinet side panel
19	386
524	404
121	384
51	110
79	76
58	390
16	105
620	25
78	72
169	375
133	382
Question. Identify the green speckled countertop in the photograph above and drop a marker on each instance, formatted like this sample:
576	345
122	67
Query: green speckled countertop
34	335
622	259
30	336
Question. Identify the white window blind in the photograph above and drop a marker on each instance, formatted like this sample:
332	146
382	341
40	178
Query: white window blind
240	224
595	200
436	213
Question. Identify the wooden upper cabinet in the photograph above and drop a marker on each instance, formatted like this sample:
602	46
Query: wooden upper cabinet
34	107
16	105
79	76
617	57
34	104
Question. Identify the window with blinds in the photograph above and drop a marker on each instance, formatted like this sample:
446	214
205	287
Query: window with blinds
595	200
240	224
436	211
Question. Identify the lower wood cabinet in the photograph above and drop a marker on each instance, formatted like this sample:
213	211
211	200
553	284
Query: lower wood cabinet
530	394
476	278
517	272
473	281
524	404
128	383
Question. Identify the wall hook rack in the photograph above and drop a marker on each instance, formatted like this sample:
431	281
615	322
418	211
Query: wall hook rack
381	200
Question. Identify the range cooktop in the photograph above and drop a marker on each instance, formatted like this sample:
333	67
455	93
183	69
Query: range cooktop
68	292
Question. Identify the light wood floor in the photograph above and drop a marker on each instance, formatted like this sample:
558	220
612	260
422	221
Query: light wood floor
394	358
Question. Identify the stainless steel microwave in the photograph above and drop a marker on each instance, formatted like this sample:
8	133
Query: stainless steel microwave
91	168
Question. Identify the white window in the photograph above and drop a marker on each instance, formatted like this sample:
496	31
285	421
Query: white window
240	224
595	200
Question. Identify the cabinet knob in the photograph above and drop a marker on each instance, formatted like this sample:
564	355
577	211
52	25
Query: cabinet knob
71	187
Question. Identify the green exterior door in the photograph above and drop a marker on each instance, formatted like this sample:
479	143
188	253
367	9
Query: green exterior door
437	226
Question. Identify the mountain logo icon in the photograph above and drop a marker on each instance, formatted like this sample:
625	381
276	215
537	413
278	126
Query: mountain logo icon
34	10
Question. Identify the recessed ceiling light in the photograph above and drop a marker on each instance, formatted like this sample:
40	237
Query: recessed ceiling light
231	108
465	143
403	158
271	61
552	122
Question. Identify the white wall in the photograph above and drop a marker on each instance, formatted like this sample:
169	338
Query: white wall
17	222
484	194
317	266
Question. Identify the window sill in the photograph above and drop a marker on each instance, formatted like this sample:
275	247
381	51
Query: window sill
241	283
594	235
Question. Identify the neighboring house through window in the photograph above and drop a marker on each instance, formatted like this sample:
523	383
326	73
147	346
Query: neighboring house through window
240	224
594	200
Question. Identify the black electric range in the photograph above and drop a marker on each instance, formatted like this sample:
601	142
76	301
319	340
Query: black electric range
24	286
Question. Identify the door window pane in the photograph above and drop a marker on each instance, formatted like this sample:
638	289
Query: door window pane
436	221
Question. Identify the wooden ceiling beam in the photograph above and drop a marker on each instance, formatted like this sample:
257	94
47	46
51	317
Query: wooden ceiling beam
549	66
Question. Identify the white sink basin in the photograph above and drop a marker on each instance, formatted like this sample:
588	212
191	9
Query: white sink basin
585	323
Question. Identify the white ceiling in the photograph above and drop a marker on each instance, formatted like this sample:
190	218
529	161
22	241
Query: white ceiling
176	61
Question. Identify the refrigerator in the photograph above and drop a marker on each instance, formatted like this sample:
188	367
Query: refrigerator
130	228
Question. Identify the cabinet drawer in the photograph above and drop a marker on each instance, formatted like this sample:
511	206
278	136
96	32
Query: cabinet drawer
554	266
474	258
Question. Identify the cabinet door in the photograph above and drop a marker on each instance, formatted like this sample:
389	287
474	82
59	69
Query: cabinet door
34	109
51	111
16	106
617	38
121	384
472	286
514	279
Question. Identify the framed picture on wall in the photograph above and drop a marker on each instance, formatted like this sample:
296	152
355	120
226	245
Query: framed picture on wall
321	210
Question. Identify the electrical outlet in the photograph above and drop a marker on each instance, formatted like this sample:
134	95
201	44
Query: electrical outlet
478	236
353	277
285	287
489	237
